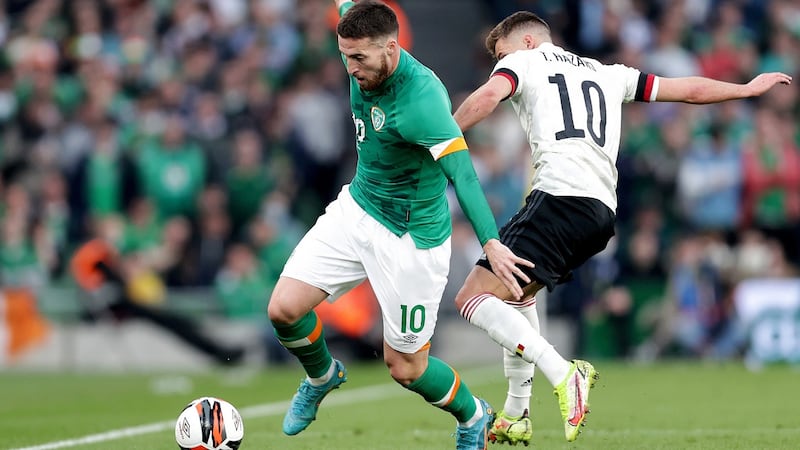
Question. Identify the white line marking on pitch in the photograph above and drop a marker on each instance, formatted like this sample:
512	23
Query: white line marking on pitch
358	395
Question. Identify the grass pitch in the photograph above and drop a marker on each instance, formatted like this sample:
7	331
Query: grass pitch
663	406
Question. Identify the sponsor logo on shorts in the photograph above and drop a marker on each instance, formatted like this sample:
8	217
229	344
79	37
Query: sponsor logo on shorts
410	338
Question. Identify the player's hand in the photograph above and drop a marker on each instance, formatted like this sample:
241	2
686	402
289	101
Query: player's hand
506	265
763	82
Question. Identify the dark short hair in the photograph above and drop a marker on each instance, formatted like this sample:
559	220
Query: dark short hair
511	24
368	19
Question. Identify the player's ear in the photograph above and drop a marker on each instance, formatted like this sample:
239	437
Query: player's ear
392	46
529	42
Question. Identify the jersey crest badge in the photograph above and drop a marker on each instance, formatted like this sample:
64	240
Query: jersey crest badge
378	118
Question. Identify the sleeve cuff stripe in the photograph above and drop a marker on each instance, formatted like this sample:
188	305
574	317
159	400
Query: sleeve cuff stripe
511	77
646	88
654	89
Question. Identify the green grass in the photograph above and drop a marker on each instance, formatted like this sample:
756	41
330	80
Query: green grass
664	406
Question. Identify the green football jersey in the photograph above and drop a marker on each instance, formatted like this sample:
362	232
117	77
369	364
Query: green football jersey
400	128
409	147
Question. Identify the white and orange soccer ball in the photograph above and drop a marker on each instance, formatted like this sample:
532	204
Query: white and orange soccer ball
209	423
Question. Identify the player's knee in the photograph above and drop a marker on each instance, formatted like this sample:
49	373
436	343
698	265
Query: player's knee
275	312
462	297
403	370
402	373
478	282
281	312
467	293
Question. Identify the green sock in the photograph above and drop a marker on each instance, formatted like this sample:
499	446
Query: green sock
441	386
306	340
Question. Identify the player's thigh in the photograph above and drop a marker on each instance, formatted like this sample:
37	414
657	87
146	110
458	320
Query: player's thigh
482	280
409	283
328	257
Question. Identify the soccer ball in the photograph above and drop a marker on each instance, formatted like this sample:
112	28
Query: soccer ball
209	423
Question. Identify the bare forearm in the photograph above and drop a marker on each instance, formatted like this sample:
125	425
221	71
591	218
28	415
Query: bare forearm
698	90
474	109
706	90
482	102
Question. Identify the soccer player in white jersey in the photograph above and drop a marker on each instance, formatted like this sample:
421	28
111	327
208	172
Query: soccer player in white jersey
571	110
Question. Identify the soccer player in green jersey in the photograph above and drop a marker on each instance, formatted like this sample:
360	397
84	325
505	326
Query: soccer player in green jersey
391	224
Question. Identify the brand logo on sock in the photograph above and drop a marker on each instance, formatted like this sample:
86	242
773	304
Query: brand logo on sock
520	349
527	382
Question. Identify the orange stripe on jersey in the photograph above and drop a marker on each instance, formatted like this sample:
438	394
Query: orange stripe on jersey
456	145
315	334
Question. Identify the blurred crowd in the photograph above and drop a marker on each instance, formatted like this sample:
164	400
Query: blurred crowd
201	138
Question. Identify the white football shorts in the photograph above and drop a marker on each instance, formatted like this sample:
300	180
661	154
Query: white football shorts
347	246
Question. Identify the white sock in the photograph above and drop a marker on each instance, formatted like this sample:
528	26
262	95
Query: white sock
520	379
518	371
509	328
324	378
475	417
554	367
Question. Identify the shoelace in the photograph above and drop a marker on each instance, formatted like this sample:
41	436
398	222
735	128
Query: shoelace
306	390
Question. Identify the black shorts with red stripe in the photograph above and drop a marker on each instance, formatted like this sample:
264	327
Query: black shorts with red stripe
557	234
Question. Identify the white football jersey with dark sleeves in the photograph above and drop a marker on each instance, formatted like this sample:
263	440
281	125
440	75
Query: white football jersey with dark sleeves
571	110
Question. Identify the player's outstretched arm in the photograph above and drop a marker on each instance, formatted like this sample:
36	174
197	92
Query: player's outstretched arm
701	90
339	3
482	102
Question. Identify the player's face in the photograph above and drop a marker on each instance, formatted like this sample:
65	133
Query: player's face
368	60
508	45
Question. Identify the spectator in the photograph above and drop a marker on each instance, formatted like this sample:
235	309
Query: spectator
136	293
172	171
669	58
316	140
213	237
249	180
771	164
710	183
241	284
104	180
